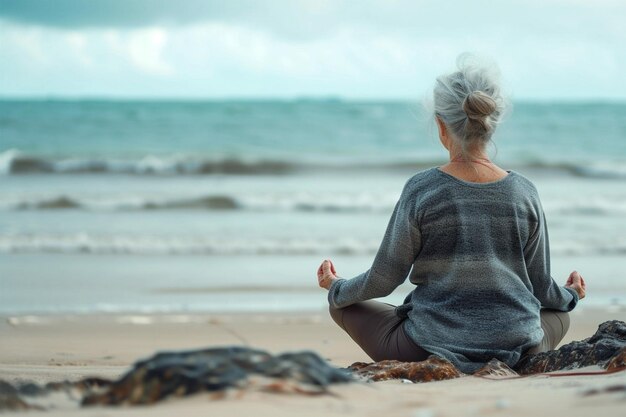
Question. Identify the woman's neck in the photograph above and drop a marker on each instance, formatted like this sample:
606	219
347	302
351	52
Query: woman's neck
474	167
457	155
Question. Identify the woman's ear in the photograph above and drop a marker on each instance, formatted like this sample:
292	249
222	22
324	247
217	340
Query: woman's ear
443	132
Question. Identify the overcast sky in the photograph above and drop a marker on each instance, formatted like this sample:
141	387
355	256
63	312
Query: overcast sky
546	49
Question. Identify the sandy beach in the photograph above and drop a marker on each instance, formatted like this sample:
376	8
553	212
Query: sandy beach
49	348
174	174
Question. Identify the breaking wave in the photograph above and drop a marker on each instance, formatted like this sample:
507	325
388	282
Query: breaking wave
199	245
300	202
14	162
175	245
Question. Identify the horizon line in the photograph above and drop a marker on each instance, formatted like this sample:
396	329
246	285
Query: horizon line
328	97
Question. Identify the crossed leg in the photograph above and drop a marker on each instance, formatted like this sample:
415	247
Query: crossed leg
555	325
376	328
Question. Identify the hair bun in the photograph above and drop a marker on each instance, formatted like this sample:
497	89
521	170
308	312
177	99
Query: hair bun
478	105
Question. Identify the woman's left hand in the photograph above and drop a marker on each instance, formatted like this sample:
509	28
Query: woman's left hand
326	274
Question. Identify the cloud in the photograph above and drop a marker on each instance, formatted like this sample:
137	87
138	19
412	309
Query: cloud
321	18
290	17
241	48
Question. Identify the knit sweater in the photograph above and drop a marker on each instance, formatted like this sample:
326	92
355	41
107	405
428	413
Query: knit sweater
479	257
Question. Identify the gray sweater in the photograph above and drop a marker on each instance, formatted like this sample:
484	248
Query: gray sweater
479	257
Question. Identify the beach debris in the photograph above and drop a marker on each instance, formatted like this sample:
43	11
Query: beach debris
617	361
495	369
33	396
606	348
432	369
10	398
183	373
88	384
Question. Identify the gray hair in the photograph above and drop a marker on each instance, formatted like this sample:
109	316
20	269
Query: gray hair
469	102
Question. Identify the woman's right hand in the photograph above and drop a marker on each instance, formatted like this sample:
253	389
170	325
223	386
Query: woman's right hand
576	282
326	274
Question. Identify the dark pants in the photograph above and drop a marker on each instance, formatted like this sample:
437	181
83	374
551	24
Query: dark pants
376	328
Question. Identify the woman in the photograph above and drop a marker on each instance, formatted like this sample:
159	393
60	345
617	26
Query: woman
473	239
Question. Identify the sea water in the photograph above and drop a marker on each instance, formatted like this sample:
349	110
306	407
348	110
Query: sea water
164	206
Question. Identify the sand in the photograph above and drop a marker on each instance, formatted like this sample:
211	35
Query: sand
47	348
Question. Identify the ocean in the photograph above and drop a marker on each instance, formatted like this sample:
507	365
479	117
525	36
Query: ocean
218	206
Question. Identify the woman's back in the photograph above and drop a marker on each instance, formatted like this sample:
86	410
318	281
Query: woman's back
482	271
476	250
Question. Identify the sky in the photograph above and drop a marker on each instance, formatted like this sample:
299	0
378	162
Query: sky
360	49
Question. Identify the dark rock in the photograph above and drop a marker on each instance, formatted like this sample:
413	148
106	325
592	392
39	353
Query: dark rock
188	372
10	398
83	385
617	361
605	348
432	369
31	389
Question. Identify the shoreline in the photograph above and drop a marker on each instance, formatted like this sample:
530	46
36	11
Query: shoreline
121	338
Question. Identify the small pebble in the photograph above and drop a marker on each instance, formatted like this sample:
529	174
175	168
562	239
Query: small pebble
423	412
503	403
